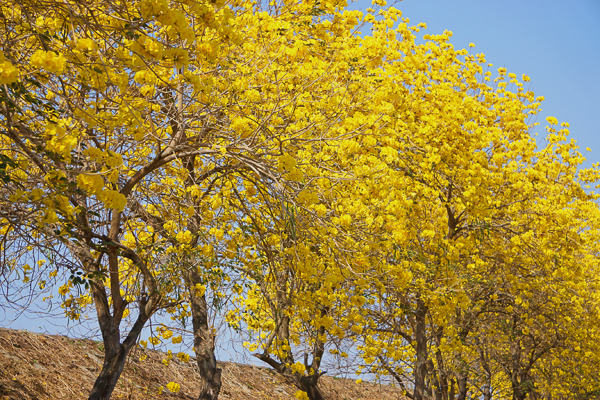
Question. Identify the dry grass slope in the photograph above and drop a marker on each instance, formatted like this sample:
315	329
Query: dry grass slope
40	367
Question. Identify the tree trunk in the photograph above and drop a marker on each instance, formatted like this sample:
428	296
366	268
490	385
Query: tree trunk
484	359
462	387
437	387
519	393
420	370
114	361
516	377
487	392
441	376
115	355
309	385
204	344
115	352
487	387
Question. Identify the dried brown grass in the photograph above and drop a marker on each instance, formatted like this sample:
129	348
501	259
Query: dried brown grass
39	367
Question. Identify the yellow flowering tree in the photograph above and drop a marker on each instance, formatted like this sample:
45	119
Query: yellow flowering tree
127	128
89	124
297	252
460	208
293	285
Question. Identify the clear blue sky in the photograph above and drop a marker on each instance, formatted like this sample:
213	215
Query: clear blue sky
556	43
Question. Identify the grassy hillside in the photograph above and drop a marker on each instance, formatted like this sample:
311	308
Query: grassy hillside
36	366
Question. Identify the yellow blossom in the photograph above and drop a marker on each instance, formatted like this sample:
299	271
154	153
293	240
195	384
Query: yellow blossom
92	184
8	73
86	44
94	153
113	199
154	340
177	339
298	368
173	387
199	290
301	395
48	60
63	290
114	159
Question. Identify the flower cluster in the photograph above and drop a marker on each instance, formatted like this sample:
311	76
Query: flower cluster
8	72
113	199
49	61
173	387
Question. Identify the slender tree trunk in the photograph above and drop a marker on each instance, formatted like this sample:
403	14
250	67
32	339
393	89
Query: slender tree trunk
441	376
484	359
519	395
437	387
204	344
519	392
452	393
462	387
308	384
311	382
420	370
487	392
487	387
204	341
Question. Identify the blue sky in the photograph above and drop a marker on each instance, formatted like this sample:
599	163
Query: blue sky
556	43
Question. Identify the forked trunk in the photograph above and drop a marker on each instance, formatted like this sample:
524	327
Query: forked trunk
308	384
115	352
518	376
115	355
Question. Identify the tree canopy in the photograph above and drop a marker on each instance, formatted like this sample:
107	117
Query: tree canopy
329	193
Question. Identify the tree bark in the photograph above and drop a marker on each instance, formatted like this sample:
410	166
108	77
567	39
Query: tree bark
441	376
487	392
516	377
420	370
462	387
309	384
204	344
114	361
115	353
